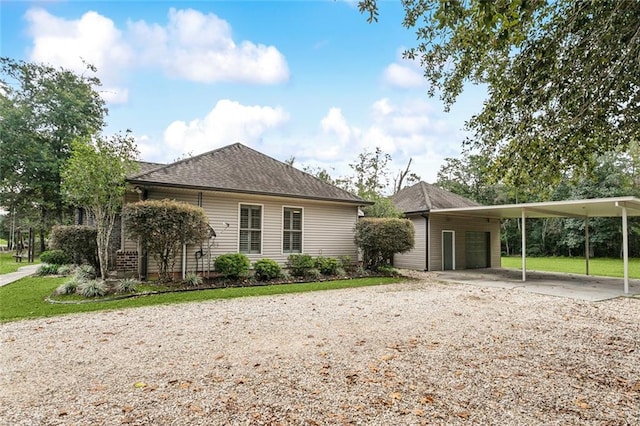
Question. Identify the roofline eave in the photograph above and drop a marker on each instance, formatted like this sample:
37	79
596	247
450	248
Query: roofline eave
241	191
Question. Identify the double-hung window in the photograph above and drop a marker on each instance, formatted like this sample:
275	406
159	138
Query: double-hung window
250	229
292	230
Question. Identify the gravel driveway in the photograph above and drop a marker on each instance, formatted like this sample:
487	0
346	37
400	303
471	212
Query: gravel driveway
414	353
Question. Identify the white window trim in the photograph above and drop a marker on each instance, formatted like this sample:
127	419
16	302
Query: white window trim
282	252
262	213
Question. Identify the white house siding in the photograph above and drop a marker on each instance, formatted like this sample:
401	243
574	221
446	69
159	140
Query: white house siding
327	227
416	258
461	225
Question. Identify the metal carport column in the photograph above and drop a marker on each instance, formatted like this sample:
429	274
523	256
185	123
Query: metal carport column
523	229
625	246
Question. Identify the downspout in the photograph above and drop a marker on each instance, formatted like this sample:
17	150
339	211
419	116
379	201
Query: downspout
426	242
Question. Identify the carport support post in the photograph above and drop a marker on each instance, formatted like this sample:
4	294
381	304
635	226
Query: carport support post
524	248
625	249
586	243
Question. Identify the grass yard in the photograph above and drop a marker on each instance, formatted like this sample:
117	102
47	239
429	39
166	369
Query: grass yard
25	298
8	262
575	265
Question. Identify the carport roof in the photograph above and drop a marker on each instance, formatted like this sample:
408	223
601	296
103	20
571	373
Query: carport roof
596	207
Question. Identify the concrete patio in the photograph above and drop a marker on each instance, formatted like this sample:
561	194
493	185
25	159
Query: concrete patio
580	287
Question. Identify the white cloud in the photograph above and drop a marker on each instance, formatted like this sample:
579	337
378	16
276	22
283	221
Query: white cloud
92	38
404	73
200	48
192	46
226	123
412	129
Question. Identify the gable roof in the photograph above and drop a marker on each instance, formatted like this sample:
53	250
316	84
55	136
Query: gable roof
238	168
424	197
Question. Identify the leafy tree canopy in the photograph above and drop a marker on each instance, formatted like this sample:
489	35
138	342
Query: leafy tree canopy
563	76
94	178
42	110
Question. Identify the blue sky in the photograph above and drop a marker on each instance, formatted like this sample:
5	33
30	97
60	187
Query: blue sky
308	79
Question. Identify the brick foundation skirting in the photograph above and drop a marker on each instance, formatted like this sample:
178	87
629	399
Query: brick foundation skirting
127	261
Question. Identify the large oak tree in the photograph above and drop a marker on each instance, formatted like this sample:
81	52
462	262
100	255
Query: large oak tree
563	77
42	110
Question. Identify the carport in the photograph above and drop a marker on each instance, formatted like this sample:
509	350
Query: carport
622	207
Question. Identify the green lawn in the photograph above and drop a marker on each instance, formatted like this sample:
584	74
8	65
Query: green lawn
575	265
8	262
25	298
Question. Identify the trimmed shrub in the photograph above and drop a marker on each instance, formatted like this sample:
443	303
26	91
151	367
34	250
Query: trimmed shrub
55	257
192	280
326	265
163	226
232	265
267	269
92	288
380	238
299	264
47	269
77	241
126	286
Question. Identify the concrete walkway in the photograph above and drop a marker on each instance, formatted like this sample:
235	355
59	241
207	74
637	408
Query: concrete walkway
580	287
22	272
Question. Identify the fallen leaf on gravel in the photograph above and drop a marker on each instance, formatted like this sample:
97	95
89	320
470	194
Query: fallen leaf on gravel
127	409
636	387
463	414
582	403
97	388
62	413
418	412
184	385
395	395
373	368
387	357
195	408
427	399
139	385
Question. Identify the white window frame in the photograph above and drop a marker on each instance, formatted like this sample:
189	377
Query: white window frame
283	230
261	227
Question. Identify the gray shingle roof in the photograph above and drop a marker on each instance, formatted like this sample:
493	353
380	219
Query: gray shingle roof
424	197
238	168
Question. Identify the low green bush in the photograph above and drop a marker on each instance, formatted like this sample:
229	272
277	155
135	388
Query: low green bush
55	257
232	265
78	241
192	279
313	274
346	263
299	264
93	288
127	285
326	265
85	273
267	269
47	269
69	287
388	271
65	270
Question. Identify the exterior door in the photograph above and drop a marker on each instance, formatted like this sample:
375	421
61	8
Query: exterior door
448	250
477	249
